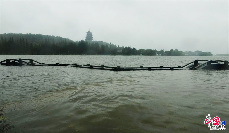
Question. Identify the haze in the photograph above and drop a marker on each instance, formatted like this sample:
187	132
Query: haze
187	25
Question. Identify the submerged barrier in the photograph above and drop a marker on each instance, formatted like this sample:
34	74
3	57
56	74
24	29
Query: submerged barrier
195	65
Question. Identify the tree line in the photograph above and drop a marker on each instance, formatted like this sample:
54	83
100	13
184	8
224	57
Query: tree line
37	44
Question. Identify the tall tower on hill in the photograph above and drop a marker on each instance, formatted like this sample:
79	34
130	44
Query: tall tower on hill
89	36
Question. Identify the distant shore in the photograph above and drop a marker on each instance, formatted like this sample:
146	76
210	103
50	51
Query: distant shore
222	55
37	44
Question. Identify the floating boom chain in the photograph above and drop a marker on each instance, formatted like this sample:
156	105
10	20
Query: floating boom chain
195	65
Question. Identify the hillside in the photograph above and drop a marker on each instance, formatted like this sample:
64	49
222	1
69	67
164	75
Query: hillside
35	38
37	44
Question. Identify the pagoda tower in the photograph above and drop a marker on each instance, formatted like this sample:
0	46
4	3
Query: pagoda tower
89	36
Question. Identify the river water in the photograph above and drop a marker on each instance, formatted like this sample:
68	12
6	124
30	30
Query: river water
75	100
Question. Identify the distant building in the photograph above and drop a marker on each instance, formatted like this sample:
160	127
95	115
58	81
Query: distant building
89	36
89	39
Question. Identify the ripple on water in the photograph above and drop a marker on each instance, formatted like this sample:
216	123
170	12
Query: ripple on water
65	99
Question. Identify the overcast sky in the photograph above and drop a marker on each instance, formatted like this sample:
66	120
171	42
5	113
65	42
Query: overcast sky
154	24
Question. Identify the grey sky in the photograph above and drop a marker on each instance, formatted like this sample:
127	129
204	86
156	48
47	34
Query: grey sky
155	24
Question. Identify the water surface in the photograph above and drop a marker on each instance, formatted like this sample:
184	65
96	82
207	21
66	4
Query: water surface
67	99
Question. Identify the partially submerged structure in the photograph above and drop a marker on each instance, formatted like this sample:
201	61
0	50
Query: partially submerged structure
195	65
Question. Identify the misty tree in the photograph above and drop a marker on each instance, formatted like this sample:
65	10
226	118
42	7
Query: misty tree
37	44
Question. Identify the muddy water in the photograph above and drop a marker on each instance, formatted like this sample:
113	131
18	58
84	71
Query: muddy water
74	100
